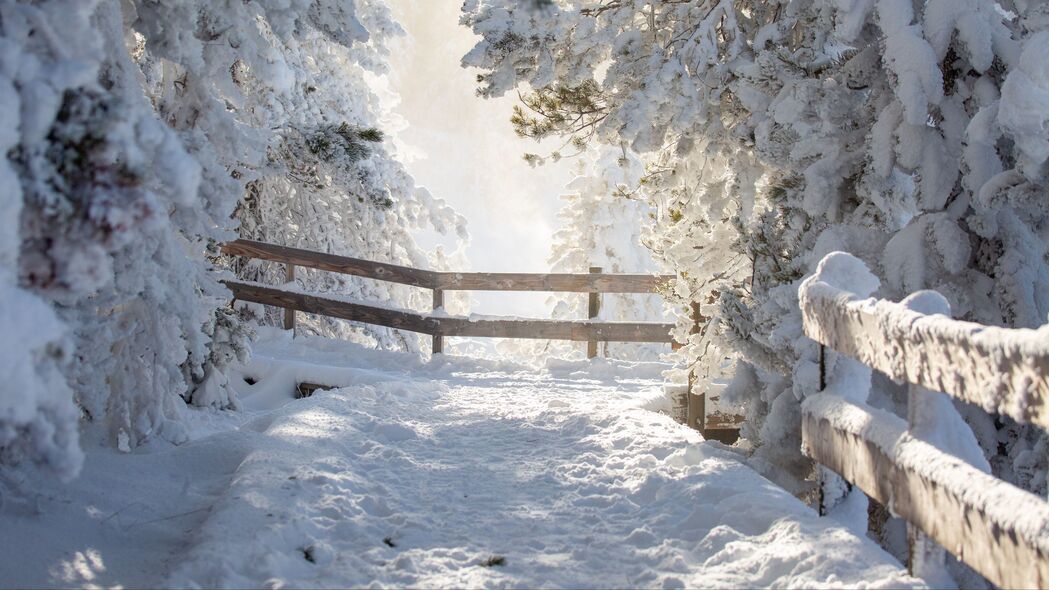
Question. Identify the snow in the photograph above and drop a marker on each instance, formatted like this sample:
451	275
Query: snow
414	474
1024	109
847	273
34	398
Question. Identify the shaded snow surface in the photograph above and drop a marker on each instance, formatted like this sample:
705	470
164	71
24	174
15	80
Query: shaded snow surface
418	474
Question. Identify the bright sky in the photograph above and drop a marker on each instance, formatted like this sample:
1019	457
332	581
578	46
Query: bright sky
463	149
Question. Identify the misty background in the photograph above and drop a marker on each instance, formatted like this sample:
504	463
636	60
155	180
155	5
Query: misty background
474	158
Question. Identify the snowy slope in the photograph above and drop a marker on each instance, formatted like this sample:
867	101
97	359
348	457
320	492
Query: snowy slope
415	474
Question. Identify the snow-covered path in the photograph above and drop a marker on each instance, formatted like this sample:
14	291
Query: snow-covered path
416	479
464	473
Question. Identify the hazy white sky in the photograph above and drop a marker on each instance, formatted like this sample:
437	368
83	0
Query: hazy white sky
462	148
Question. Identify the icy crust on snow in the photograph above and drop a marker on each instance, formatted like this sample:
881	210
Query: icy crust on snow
415	476
1002	370
1006	505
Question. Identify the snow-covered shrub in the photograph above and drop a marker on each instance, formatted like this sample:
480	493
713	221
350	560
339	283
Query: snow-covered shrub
96	179
38	420
912	135
132	129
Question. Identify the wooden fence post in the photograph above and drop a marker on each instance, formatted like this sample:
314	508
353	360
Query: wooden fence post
289	313
925	558
825	478
593	311
697	404
438	304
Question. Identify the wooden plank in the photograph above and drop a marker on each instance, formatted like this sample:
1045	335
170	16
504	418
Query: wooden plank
438	340
289	314
559	282
579	331
576	331
727	436
1004	371
307	389
593	310
390	318
449	281
970	513
330	262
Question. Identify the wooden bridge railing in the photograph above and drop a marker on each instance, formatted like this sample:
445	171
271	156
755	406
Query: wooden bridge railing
996	528
440	326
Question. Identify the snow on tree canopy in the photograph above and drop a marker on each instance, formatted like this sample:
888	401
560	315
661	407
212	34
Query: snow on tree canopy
910	135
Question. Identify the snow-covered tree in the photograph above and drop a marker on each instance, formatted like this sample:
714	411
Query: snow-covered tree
109	229
913	135
601	226
329	183
133	129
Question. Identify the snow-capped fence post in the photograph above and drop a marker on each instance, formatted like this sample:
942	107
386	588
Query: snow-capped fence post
289	313
593	309
831	489
438	305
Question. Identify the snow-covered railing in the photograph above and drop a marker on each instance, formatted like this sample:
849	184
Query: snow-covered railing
996	528
440	325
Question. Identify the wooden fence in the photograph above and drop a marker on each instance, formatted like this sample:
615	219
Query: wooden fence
999	530
439	326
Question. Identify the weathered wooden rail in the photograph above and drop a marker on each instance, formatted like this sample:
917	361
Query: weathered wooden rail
999	530
579	331
594	282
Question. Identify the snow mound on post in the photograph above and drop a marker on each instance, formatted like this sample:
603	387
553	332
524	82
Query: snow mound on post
846	272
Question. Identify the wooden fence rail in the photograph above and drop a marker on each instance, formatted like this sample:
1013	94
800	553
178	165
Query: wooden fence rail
451	281
578	331
996	528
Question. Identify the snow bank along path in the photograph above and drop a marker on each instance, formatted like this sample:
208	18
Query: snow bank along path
468	473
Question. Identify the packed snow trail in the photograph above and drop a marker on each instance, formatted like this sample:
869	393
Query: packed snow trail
451	473
466	474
